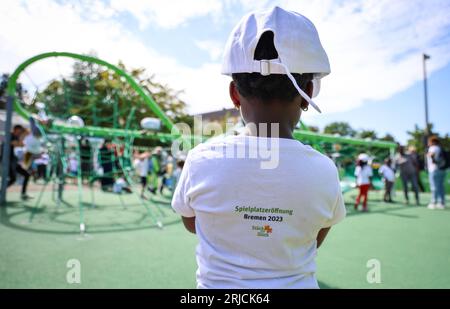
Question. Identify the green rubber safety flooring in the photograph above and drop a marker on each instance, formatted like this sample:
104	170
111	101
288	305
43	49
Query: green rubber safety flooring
123	247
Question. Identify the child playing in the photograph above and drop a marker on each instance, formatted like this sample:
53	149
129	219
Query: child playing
260	222
120	186
141	165
73	165
177	172
389	178
363	173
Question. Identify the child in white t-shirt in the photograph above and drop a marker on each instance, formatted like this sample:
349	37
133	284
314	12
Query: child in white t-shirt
177	172
261	203
363	173
141	166
389	178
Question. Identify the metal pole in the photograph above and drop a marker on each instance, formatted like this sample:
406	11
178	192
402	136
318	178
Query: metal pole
427	123
6	149
425	87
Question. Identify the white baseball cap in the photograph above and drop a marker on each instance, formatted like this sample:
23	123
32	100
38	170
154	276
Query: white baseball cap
364	157
296	41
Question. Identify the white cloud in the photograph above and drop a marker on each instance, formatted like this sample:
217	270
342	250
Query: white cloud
212	47
166	14
374	46
49	26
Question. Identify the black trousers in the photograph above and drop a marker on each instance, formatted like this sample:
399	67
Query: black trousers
14	169
41	171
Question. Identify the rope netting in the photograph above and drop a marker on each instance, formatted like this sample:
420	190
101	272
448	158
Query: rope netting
96	97
88	121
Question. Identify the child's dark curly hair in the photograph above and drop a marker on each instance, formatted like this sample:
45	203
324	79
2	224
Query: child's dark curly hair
271	87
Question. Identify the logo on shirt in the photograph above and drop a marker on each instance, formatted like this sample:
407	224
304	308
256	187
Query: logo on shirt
263	231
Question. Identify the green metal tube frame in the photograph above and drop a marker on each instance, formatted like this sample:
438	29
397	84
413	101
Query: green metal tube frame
111	132
12	83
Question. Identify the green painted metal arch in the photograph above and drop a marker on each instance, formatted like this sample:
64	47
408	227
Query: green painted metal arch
12	83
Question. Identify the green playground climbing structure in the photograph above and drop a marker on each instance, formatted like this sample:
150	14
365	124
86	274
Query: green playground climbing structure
120	127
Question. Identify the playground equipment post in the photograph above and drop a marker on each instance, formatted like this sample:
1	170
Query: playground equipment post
6	149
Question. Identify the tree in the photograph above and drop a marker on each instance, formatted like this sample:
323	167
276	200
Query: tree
371	134
102	98
341	128
388	138
418	138
20	91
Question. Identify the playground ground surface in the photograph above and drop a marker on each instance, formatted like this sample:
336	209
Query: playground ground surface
123	248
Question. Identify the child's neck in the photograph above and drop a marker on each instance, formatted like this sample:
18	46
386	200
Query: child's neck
264	129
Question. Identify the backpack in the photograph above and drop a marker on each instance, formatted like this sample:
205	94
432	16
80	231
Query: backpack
443	159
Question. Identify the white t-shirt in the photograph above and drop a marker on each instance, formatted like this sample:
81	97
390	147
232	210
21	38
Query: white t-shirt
32	144
42	160
73	165
176	174
119	184
141	167
436	151
363	175
387	172
257	227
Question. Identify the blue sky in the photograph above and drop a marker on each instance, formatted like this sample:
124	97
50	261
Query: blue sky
402	111
374	47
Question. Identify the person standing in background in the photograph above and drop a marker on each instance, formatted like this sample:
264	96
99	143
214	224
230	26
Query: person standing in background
141	166
389	178
407	168
437	165
17	136
41	165
419	166
106	156
363	173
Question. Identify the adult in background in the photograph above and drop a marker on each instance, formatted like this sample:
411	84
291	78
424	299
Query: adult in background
86	163
436	163
17	136
41	165
420	166
106	156
406	165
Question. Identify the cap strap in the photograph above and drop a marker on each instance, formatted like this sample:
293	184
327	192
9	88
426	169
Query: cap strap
267	67
275	66
300	91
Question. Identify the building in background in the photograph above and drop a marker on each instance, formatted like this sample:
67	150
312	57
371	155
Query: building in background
222	117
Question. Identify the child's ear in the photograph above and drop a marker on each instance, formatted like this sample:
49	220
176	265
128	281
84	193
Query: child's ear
310	89
234	95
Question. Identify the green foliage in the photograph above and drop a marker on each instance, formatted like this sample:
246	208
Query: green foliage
103	98
369	134
418	139
20	91
388	138
340	128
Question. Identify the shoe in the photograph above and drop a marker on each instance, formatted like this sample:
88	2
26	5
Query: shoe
440	206
431	206
25	197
